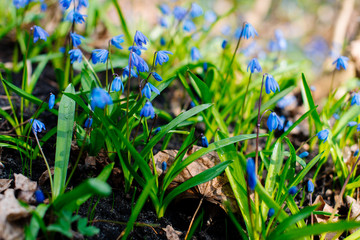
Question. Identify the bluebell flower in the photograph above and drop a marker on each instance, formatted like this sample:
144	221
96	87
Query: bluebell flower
137	49
39	33
224	43
352	123
162	57
117	40
140	39
189	26
341	62
163	22
51	101
65	4
100	98
156	76
195	54
323	135
37	126
179	12
273	121
117	85
205	67
356	152
288	125
286	101
76	39
271	212
147	110
210	16
310	186
126	72
271	84
139	63
355	99
162	41
204	142
88	122
99	55
148	88
163	166
251	174
293	190
76	17
75	55
303	154
336	116
82	3
157	130
248	31
254	66
39	196
196	10
165	9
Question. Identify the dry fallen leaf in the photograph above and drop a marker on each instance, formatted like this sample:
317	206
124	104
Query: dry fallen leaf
45	176
26	186
171	233
355	210
5	184
322	218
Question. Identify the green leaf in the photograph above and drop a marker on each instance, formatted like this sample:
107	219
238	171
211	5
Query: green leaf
86	230
36	222
349	115
202	87
63	141
97	139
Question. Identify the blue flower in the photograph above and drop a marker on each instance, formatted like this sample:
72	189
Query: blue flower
251	174
117	40
352	123
165	9
163	166
163	22
140	39
162	41
356	152
358	127
82	3
117	85
205	66
20	3
76	39
323	135
281	41
51	101
210	16
39	33
254	66
156	76
147	110
286	101
139	63
196	10
162	57
37	126
189	26
303	154
282	120
43	7
273	121
100	98
226	30
293	190
312	88
288	125
310	186
157	130
271	212
65	4
137	49
88	122
336	116
224	43
204	142
237	32
179	13
195	54
126	72
75	55
39	196
192	104
99	55
355	99
76	17
341	62
271	84
148	88
248	31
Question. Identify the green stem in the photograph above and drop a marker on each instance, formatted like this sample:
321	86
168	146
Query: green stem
24	78
92	70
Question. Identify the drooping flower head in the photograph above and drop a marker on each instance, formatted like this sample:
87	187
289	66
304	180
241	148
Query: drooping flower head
137	49
37	126
210	16
310	186
162	57
157	130
99	55
251	174
157	76
341	62
303	154
189	25
139	63
163	22
196	10
147	110
165	9
224	43
273	121
75	55
355	99
204	142
140	39
39	196
117	85
271	84
352	123
195	54
281	41
179	12
51	101
248	31
163	166
254	66
148	88
76	17
323	135
286	101
82	3
76	39
162	41
293	190
100	98
20	3
39	33
126	72
65	4
271	212
117	40
88	122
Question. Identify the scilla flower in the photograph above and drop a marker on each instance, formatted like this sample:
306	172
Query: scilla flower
100	98
293	190
254	66
281	41
82	3
39	33
148	88
271	84
156	76
310	186
273	121
341	62
147	110
76	39
248	31
303	154
163	22
189	25
162	41
210	16
195	54
117	85
140	39
157	130
204	142
358	127
162	57
140	63
75	55
76	17
223	44
165	9
355	99
39	196
271	212
126	72
163	166
196	10
51	101
179	12
65	4
137	49
286	101
352	123
323	135
88	122
117	40
20	3
37	126
251	174
99	55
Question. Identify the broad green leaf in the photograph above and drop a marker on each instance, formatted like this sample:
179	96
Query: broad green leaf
348	116
203	88
300	176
